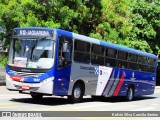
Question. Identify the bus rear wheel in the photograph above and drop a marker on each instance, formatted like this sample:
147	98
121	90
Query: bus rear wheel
77	93
37	96
130	94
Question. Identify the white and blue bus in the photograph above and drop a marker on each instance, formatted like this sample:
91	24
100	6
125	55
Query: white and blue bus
45	61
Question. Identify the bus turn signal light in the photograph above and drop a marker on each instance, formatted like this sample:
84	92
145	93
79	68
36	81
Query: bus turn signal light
16	78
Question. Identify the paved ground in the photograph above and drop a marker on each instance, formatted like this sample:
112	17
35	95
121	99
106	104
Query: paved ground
2	76
13	101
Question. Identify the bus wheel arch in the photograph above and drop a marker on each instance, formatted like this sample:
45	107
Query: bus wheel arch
130	92
78	91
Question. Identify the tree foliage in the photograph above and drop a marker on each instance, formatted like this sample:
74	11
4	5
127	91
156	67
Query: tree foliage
145	19
114	24
135	23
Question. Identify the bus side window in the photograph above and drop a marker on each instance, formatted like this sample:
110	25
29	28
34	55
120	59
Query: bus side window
97	54
143	64
122	59
64	56
151	63
110	57
133	59
81	51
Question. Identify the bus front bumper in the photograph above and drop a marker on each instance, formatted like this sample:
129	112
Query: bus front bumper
45	87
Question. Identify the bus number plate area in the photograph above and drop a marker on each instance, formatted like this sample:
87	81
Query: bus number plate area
24	87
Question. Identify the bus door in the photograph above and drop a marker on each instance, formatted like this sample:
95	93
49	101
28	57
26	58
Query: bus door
64	66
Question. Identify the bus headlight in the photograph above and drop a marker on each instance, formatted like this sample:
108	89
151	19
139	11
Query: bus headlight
46	81
8	77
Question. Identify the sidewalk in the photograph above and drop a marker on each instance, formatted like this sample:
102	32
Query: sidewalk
2	75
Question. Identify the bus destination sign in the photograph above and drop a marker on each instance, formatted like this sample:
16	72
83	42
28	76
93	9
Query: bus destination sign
33	32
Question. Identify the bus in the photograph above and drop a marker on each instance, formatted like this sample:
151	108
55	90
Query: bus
47	61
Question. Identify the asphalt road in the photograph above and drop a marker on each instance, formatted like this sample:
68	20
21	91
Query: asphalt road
13	101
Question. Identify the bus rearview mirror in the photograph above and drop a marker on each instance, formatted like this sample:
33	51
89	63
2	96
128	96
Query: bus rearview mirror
65	46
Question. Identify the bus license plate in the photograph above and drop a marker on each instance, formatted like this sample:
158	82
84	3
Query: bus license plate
24	87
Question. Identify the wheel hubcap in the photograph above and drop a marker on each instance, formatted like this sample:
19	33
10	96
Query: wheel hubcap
130	96
77	92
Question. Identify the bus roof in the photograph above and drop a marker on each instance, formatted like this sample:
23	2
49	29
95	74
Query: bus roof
95	41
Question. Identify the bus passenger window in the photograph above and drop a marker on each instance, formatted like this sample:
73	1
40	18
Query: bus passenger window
81	51
122	59
110	62
132	62
97	54
110	59
111	53
151	63
122	55
143	64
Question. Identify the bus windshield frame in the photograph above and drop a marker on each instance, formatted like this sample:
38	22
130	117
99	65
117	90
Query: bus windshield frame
32	52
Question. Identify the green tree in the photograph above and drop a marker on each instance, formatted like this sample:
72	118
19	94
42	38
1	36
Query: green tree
134	23
114	23
72	15
146	25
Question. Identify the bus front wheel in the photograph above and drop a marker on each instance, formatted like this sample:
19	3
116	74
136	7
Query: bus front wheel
77	93
130	94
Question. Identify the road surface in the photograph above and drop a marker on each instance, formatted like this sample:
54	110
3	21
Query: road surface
13	101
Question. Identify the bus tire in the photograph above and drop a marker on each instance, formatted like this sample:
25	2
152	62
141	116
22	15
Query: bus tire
37	96
130	94
77	93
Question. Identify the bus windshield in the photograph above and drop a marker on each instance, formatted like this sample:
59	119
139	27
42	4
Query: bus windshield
31	53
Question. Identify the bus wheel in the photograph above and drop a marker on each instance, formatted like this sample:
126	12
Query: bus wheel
37	96
130	94
77	93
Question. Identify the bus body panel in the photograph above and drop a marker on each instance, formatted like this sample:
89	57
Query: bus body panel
62	80
86	73
36	86
117	84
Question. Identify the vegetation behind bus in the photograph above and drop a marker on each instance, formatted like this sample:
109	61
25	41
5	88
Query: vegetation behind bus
3	49
133	23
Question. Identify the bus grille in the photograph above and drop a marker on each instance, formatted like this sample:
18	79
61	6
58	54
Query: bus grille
25	74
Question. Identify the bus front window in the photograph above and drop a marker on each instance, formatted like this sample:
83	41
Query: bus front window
31	53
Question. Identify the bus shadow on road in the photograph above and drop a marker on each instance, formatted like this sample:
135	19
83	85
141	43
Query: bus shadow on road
48	101
123	99
64	101
45	101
